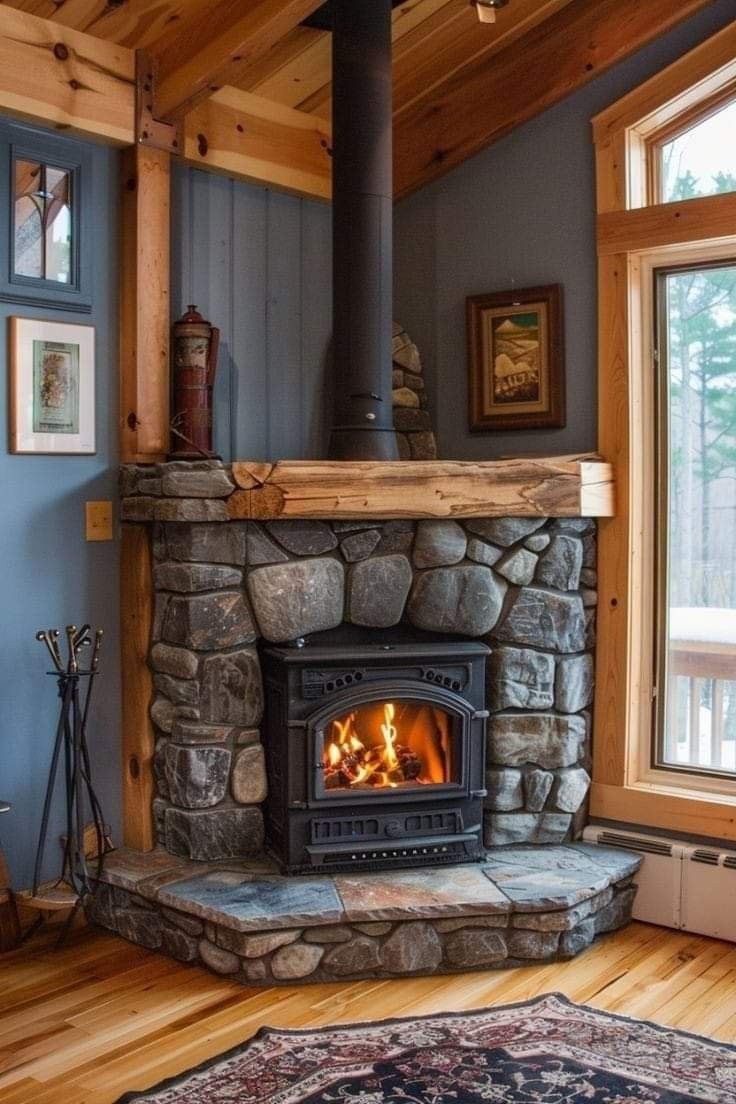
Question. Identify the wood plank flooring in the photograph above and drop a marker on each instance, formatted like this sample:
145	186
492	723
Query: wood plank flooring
102	1017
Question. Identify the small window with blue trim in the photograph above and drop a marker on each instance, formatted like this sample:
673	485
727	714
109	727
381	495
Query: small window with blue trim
43	241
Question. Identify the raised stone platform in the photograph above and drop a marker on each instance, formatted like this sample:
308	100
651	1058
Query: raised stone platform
241	919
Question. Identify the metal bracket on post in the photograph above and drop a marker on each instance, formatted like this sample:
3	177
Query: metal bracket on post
150	131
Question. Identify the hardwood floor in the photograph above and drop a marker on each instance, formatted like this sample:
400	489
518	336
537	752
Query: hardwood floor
102	1017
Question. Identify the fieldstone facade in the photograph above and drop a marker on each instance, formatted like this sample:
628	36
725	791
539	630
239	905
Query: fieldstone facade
525	586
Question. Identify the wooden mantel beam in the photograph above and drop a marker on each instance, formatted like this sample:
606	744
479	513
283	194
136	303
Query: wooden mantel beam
486	99
213	51
562	486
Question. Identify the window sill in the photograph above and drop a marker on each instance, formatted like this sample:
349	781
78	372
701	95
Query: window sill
680	810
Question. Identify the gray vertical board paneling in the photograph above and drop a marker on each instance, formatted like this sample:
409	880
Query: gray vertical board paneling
316	274
521	212
258	264
284	324
211	278
250	275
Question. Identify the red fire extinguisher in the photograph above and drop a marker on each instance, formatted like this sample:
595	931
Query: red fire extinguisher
195	345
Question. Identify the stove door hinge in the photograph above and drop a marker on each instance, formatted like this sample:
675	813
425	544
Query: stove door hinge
150	131
479	793
481	715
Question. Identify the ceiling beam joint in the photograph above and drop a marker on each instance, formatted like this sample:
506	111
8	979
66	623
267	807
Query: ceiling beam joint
149	130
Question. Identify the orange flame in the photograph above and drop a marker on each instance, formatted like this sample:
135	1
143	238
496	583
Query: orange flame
350	761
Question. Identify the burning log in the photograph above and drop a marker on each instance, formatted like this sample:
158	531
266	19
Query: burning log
348	762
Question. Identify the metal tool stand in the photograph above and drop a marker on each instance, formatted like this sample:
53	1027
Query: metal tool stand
70	756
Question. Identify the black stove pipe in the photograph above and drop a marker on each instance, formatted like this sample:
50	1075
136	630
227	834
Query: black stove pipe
362	230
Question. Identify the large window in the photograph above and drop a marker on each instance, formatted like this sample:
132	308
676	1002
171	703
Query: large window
697	532
664	746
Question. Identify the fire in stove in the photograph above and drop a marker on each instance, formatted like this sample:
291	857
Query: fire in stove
385	746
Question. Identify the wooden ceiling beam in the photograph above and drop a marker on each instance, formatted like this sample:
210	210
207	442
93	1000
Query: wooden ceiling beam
135	23
216	49
254	139
65	79
481	102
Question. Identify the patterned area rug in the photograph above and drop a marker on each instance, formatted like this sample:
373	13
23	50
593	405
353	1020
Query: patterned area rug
545	1051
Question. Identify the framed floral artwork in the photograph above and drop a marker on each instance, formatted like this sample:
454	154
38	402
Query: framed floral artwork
516	359
52	387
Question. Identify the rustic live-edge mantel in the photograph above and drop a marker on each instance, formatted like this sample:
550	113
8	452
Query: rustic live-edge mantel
566	486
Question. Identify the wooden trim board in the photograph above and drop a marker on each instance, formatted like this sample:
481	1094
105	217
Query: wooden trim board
144	305
136	618
558	487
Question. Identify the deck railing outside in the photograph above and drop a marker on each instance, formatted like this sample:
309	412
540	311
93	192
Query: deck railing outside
700	725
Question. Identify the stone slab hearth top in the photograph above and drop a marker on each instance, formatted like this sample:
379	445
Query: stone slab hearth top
251	896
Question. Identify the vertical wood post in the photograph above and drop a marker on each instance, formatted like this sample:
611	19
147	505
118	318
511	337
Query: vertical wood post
144	305
136	617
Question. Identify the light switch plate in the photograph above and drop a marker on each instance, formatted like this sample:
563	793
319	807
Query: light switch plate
99	521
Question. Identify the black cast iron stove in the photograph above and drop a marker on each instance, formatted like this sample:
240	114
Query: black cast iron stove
375	754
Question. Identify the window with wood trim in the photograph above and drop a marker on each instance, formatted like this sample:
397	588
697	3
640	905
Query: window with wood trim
665	714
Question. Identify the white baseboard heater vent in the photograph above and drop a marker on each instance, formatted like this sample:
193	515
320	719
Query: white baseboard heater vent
680	885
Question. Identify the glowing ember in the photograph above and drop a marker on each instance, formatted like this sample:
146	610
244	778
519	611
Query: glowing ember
383	758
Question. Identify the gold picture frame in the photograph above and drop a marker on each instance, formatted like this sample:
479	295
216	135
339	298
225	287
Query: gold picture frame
516	359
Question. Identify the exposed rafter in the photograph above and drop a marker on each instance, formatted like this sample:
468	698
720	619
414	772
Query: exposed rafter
218	47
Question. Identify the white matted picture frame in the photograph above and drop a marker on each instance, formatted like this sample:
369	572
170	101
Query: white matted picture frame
52	386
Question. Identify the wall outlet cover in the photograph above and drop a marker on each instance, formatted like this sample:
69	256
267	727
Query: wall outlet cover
98	521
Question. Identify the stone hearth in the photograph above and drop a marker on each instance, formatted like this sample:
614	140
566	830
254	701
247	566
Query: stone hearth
522	906
525	586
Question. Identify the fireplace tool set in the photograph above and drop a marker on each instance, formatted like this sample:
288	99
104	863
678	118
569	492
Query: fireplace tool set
71	746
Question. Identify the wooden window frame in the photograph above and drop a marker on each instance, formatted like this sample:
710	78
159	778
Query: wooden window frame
636	237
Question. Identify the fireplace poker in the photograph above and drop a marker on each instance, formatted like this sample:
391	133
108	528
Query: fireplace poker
71	632
45	638
54	636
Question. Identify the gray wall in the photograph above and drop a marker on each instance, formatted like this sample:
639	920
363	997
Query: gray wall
521	213
258	265
51	576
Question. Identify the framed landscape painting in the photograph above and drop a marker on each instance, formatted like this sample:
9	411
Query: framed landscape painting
515	359
52	387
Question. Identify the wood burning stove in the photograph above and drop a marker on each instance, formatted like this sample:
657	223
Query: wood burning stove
375	754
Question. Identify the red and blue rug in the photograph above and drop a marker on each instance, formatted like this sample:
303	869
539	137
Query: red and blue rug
545	1051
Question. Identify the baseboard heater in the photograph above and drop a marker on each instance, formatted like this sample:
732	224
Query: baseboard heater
681	885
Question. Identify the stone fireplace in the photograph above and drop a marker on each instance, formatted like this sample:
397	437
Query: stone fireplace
524	587
353	698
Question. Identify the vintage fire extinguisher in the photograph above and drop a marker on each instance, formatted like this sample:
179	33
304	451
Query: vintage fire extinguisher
195	347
